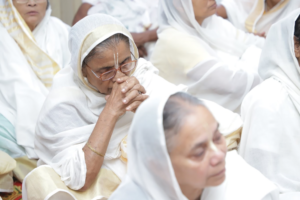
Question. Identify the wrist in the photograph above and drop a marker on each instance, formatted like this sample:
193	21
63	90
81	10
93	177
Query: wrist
110	114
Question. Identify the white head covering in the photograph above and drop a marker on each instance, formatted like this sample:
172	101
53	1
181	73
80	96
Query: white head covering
28	62
250	15
180	15
278	58
73	105
150	171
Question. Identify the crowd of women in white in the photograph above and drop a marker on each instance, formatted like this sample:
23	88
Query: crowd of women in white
84	116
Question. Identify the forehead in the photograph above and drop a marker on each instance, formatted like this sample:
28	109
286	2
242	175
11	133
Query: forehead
199	125
119	51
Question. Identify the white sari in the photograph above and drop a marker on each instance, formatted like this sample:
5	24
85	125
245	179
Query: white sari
150	172
215	60
250	15
271	112
71	112
28	62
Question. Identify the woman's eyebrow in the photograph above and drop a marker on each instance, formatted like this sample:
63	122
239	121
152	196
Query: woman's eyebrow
125	59
104	68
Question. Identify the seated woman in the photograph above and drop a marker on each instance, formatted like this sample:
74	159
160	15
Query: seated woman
256	16
87	115
33	48
271	112
205	52
176	151
140	17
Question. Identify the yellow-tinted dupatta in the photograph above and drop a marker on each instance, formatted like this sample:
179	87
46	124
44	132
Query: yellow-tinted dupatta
42	64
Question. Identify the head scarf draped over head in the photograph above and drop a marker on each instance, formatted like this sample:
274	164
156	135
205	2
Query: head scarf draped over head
150	171
180	15
251	15
278	58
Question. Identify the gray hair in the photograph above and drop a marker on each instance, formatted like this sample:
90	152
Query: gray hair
109	43
177	108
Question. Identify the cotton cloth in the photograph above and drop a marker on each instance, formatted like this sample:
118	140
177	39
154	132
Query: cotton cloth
271	112
150	172
215	60
136	15
251	15
28	62
73	106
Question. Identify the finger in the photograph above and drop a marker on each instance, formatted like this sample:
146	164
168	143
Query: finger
106	97
122	79
129	84
143	49
134	106
131	95
139	88
141	53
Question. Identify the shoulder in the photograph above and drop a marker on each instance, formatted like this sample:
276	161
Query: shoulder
269	95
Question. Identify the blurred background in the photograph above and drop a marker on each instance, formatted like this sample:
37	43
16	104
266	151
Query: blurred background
65	9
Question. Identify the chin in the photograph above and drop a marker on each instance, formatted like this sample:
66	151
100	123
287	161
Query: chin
216	182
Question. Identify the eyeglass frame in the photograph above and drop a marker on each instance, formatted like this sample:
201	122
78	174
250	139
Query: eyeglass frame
36	1
118	69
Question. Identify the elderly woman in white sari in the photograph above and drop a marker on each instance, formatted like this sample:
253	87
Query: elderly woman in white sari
256	16
33	48
81	132
271	112
205	52
176	151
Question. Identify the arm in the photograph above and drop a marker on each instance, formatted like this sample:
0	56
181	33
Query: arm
221	11
82	12
141	38
124	89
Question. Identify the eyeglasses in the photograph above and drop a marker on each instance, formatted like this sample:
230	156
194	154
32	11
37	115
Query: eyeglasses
26	1
125	68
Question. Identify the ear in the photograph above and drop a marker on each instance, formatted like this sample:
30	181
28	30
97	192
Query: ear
297	47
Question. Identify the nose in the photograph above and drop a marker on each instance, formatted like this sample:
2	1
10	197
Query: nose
218	156
31	3
119	74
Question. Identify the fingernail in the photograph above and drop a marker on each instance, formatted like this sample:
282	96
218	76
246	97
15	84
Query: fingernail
128	108
123	90
119	79
124	101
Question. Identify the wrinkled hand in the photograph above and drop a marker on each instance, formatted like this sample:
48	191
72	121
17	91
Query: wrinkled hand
142	52
131	91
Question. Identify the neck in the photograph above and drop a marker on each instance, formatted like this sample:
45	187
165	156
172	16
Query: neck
190	193
270	4
200	21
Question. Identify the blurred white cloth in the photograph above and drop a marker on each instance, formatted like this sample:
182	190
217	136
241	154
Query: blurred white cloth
136	15
215	60
73	106
150	171
250	15
271	112
26	78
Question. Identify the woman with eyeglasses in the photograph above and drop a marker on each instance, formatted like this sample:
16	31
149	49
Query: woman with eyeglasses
33	48
82	128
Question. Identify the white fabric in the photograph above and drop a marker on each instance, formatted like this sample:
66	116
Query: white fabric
271	112
136	15
150	172
22	94
216	61
72	108
238	11
214	31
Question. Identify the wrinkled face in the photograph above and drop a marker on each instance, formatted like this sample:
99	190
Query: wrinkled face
32	12
105	62
198	158
204	8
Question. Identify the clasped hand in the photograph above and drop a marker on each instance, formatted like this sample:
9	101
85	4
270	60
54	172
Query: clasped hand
127	95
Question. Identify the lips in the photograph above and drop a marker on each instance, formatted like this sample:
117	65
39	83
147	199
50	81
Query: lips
32	13
219	173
